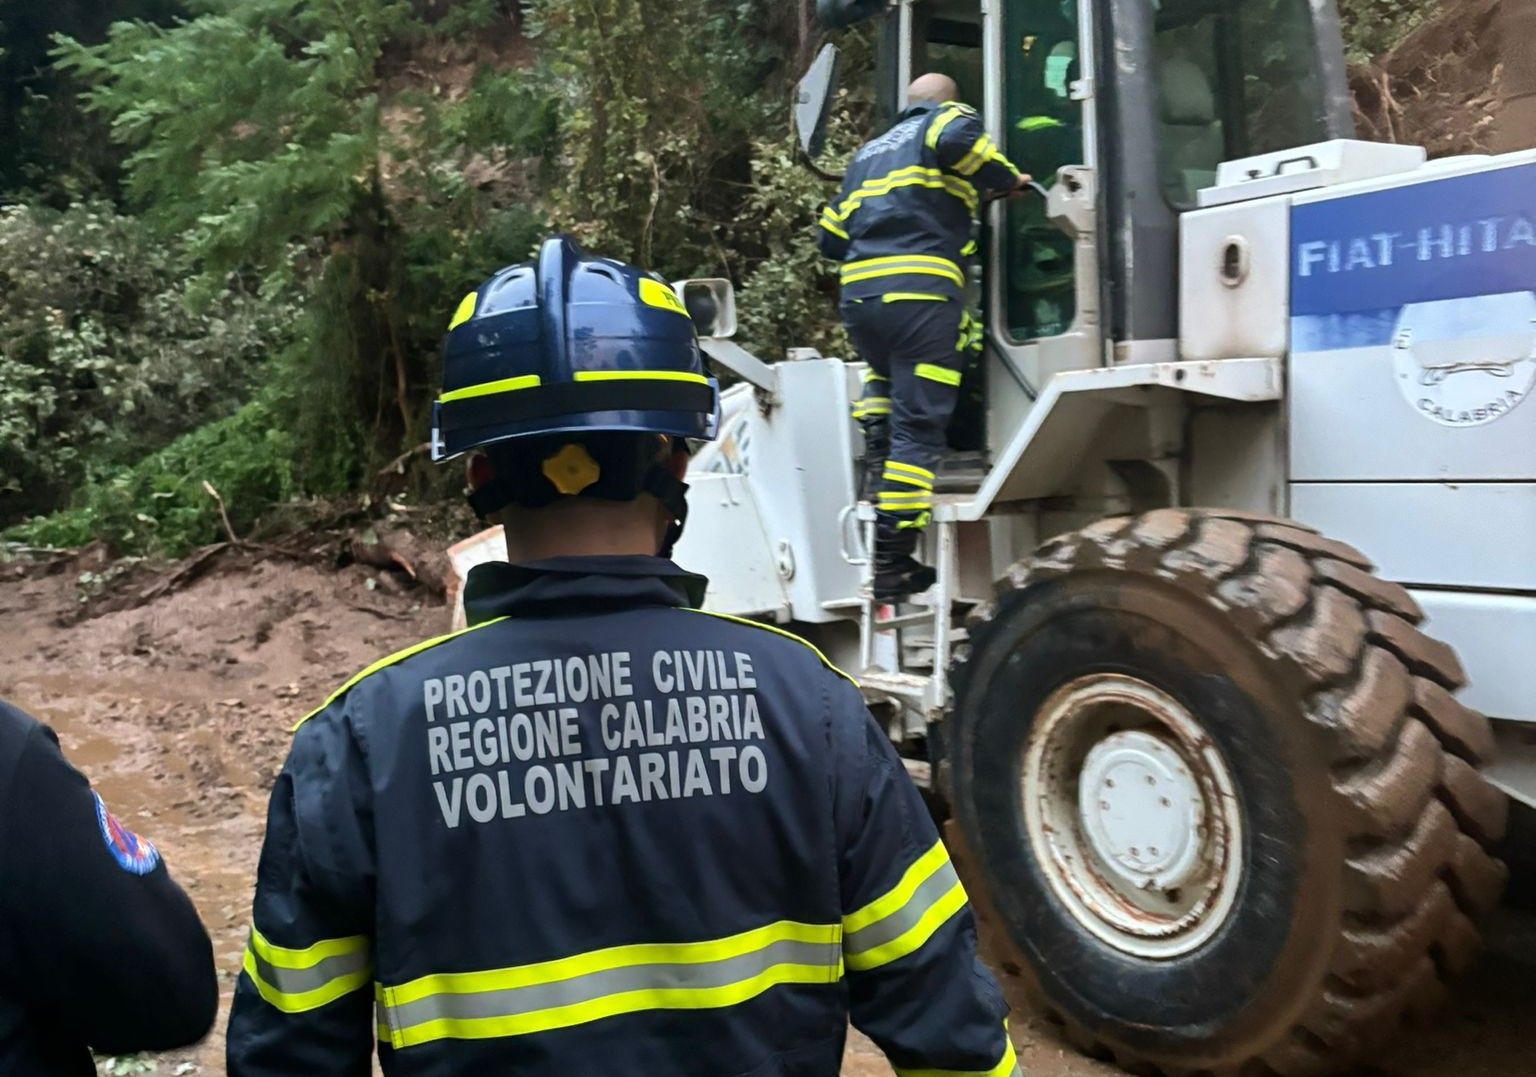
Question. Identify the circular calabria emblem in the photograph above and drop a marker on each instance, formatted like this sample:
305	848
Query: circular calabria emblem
1466	362
132	853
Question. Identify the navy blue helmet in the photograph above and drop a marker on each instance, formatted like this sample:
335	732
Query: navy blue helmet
571	344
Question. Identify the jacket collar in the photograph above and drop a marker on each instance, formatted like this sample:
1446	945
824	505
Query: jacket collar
917	110
566	585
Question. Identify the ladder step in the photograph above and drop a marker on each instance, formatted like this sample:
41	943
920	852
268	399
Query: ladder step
905	620
906	686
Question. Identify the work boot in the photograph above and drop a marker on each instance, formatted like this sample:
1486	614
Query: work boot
897	573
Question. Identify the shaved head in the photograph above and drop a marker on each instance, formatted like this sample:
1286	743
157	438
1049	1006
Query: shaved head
932	88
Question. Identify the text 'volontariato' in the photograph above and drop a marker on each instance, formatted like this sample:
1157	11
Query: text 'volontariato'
571	733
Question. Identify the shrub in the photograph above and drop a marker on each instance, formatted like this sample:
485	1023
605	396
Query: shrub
159	505
103	357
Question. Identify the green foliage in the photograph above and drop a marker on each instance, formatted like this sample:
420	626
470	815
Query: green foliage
1372	27
103	357
293	138
159	505
381	157
788	298
46	147
655	129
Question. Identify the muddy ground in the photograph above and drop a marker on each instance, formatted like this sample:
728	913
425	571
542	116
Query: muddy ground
178	710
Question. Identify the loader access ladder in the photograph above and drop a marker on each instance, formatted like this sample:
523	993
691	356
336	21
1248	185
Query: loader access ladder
932	620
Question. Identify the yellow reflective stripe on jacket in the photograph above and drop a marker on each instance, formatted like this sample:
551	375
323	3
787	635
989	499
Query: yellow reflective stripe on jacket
969	248
807	644
941	374
1007	1066
622	979
490	388
946	115
909	176
389	660
829	221
913	297
295	981
900	265
870	375
874	405
976	156
902	919
908	469
916	524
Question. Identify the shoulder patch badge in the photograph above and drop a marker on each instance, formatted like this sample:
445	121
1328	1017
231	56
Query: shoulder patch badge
132	853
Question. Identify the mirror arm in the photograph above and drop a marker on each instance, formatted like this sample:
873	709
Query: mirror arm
744	364
816	170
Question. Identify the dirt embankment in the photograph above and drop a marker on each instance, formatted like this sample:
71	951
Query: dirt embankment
1438	87
179	712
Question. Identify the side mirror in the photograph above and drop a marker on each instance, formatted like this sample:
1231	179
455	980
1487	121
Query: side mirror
711	303
813	101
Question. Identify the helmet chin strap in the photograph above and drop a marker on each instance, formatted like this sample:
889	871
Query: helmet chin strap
672	493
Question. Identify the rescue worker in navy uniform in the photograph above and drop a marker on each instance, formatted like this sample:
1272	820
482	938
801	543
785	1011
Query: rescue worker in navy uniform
599	831
901	226
99	948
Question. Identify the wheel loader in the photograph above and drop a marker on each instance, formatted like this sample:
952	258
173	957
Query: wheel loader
1229	675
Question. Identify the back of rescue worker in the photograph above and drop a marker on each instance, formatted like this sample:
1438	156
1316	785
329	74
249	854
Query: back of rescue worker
599	831
902	228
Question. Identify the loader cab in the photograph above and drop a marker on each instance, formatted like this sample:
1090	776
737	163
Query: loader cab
1123	109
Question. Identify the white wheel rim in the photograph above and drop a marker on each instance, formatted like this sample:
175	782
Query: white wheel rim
1132	816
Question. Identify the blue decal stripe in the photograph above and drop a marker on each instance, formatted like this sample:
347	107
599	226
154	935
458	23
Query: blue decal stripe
1447	238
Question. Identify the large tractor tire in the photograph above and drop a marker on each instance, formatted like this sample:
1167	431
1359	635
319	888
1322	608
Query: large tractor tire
1219	794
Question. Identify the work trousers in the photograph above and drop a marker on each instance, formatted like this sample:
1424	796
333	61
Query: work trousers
917	349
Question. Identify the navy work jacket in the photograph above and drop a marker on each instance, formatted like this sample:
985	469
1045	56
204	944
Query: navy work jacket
99	948
901	225
597	832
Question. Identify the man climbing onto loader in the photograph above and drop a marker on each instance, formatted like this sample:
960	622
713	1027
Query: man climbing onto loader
599	831
901	226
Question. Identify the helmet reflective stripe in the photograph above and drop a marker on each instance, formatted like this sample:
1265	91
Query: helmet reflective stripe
505	385
465	312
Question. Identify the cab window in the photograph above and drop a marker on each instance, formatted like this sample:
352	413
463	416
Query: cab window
1218	62
1044	131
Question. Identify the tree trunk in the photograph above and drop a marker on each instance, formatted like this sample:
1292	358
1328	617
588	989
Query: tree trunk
1514	126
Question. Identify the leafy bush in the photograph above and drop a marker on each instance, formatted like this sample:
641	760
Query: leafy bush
159	505
788	298
1372	27
103	355
303	143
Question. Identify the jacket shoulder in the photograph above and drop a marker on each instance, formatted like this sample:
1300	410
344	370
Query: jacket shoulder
781	633
15	727
391	660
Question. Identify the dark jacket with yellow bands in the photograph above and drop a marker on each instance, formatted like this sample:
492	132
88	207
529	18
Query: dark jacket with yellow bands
902	221
602	829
